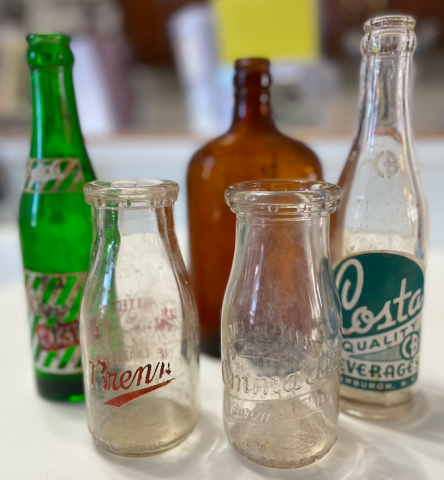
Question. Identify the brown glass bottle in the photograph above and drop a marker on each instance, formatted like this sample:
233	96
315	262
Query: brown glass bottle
252	149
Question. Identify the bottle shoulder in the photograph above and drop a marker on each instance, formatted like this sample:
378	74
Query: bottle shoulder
300	147
388	163
383	205
246	144
66	172
222	143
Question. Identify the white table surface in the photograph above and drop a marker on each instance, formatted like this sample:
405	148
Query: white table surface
46	440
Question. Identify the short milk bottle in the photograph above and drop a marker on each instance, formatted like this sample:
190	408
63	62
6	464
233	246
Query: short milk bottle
139	327
281	340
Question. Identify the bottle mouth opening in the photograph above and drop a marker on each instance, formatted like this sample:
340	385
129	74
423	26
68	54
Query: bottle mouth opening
389	22
131	194
253	64
34	38
288	197
251	75
389	35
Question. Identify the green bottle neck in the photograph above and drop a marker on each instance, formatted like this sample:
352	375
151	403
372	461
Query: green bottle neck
56	129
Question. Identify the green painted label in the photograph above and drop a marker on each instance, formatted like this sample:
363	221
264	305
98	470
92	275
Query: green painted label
53	305
382	297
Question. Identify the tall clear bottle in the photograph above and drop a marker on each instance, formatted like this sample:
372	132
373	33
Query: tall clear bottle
55	222
380	233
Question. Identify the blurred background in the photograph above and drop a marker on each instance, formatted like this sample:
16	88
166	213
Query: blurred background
153	80
164	66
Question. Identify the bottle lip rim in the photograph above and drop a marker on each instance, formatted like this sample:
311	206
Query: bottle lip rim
293	196
252	64
48	38
131	193
389	21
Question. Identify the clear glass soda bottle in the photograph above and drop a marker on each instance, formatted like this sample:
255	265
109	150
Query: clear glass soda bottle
380	233
55	222
281	340
139	325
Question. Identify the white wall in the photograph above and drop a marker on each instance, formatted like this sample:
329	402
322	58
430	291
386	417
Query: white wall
167	158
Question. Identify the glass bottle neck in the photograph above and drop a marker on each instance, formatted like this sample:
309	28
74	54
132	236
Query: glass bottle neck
384	109
55	124
306	238
253	109
109	226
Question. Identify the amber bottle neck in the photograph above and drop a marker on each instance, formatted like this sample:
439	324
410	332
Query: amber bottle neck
252	107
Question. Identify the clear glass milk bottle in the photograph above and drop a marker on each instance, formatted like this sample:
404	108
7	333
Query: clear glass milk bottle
139	326
380	233
281	340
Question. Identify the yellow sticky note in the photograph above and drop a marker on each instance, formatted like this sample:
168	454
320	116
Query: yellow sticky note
278	29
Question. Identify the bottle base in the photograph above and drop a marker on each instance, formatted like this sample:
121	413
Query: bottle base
285	465
137	451
68	388
142	428
373	411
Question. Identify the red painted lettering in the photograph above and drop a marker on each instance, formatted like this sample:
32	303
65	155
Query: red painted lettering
123	380
114	376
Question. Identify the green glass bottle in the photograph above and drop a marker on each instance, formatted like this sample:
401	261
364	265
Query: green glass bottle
55	222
